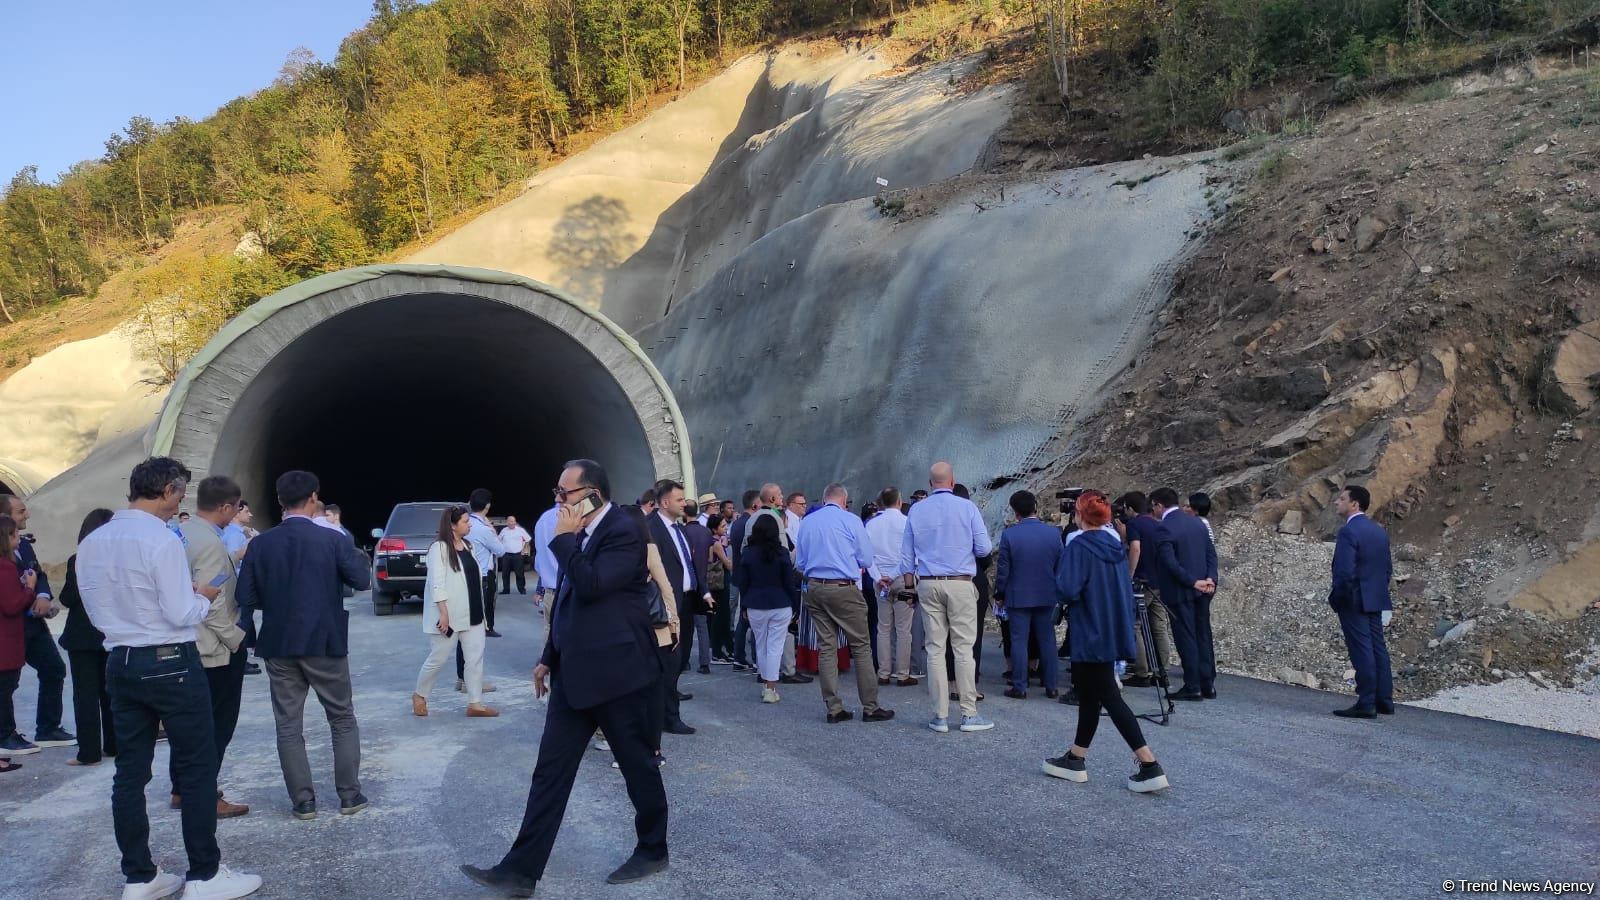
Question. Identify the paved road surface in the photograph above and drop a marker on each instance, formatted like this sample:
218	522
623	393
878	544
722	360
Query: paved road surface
1271	798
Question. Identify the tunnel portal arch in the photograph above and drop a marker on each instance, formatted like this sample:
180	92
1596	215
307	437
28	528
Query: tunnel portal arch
416	382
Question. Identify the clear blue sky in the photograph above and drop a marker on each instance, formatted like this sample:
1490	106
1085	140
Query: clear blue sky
75	71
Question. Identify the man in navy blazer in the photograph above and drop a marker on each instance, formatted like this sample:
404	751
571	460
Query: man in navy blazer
687	572
603	666
1186	577
1360	595
1025	585
296	574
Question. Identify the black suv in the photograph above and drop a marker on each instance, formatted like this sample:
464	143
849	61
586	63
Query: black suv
398	566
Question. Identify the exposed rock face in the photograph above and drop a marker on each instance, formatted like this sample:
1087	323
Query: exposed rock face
1567	590
1573	369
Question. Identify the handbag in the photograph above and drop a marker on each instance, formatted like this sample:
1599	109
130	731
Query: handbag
658	610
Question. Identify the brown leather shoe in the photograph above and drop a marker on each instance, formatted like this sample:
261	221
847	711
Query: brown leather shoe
419	705
479	711
226	810
908	682
176	802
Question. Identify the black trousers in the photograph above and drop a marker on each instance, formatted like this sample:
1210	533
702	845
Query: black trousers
627	722
1096	684
722	624
153	686
9	679
869	592
667	687
1186	636
741	640
91	705
514	564
685	630
40	648
226	684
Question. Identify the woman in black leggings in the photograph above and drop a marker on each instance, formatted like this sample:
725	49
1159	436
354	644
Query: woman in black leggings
1093	582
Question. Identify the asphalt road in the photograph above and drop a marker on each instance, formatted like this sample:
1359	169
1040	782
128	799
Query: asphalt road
1272	797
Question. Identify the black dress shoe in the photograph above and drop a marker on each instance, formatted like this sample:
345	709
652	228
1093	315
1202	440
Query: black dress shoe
353	805
1052	693
878	715
1015	694
305	809
796	678
1356	712
636	868
251	668
843	715
1209	695
1385	709
678	727
491	633
509	884
1186	694
1070	698
682	696
1138	681
705	670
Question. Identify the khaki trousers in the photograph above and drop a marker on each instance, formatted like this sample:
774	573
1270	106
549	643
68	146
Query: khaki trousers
839	609
1161	627
950	615
894	637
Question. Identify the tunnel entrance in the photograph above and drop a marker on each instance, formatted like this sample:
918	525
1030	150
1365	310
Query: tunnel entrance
403	383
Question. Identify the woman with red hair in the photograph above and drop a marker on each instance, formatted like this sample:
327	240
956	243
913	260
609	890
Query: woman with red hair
1092	580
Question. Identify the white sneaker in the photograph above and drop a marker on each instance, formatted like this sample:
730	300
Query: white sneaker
165	884
768	695
225	885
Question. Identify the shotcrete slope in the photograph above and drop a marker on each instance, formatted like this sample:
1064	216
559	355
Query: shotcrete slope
850	345
579	222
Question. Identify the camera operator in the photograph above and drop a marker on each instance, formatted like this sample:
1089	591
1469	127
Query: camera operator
1143	533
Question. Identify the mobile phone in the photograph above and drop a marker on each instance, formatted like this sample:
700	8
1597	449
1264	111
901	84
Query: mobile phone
220	580
589	505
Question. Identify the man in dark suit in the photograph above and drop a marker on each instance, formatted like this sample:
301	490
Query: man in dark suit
602	659
1360	595
688	581
700	541
296	574
1025	586
1186	576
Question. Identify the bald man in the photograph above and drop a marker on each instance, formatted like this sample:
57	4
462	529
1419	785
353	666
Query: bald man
944	537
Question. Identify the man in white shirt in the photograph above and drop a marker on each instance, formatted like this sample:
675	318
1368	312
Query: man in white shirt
514	539
135	584
794	512
888	531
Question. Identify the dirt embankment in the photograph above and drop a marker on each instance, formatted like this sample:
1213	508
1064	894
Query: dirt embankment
1405	298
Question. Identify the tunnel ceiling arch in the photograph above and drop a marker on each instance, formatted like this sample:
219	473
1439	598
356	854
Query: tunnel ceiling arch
19	478
398	373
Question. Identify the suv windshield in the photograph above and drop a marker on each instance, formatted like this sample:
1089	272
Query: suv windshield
415	519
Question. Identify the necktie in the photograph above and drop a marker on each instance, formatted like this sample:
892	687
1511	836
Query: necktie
688	560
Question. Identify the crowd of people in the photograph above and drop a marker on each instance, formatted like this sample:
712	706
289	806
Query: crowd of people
162	614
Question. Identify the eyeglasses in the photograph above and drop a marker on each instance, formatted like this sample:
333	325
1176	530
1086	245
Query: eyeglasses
561	493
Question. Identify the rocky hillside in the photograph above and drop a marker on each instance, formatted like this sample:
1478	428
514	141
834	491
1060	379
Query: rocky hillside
1406	298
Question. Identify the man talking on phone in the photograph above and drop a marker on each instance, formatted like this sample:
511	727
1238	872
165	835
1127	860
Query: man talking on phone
599	667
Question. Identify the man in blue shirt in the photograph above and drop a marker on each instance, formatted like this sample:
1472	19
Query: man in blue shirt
945	535
545	566
831	551
1025	585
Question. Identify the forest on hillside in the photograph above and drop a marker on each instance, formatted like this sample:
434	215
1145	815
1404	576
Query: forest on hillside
431	110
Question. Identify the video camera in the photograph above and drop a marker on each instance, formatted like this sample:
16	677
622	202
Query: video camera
1069	501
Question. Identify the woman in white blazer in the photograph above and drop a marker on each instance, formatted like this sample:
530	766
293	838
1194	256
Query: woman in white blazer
452	610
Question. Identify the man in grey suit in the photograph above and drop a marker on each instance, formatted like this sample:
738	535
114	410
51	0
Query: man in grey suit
219	638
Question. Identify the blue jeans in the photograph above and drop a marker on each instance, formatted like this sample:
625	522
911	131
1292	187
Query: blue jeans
1037	622
151	686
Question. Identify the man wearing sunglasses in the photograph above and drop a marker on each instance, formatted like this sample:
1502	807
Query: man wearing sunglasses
600	669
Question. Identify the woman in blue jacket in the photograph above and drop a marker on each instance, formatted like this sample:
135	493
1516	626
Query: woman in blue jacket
1092	580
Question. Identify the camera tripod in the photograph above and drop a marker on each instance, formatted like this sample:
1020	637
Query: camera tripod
1158	665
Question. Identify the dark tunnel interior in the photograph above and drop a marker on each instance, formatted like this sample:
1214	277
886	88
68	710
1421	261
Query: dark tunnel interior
426	397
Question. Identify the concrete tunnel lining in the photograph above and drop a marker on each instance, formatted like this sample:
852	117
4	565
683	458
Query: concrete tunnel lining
407	382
